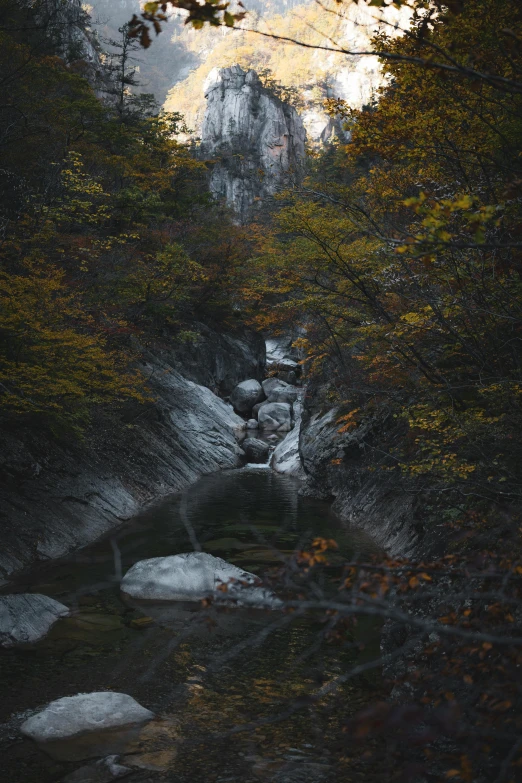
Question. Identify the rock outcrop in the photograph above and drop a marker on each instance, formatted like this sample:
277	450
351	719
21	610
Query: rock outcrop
257	140
58	494
344	467
286	457
27	617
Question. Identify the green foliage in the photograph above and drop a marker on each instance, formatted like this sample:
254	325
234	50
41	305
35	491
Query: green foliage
108	230
402	256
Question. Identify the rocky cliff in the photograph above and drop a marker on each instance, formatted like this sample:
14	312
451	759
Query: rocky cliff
352	469
257	140
58	493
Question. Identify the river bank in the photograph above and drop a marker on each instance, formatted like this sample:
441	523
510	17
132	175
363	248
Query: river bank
59	492
202	680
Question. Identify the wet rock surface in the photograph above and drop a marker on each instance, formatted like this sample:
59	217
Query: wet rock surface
247	394
276	416
286	457
256	450
27	617
102	771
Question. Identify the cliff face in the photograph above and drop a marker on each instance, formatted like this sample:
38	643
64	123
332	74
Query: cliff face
257	140
351	469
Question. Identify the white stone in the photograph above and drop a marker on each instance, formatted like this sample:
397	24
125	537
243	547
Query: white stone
252	424
192	576
278	351
27	617
275	416
67	718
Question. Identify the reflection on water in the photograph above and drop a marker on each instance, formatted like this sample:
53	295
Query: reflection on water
202	673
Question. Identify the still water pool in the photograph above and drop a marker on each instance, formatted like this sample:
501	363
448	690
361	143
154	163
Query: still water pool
217	682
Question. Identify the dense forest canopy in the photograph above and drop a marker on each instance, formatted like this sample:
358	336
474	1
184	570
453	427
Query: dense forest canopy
108	232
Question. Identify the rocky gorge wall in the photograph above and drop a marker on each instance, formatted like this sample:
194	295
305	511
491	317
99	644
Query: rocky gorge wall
352	470
256	140
60	493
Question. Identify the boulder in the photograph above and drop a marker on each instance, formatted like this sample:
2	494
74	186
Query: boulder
246	395
27	617
257	408
256	450
252	424
284	393
192	576
286	458
276	416
271	383
87	725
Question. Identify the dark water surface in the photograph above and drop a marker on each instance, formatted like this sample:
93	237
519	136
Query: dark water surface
204	676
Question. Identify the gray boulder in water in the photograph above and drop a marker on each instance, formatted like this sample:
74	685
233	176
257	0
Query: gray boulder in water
256	450
269	384
87	725
192	576
276	416
27	617
246	395
252	424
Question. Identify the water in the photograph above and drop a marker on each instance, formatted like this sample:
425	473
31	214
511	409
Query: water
205	676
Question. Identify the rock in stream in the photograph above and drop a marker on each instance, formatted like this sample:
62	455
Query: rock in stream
27	617
193	576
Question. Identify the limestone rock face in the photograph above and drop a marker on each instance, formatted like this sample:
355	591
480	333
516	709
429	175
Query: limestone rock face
27	617
257	139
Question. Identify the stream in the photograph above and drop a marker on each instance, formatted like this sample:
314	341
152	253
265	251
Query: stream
202	677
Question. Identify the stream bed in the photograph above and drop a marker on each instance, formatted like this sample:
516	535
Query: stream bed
202	676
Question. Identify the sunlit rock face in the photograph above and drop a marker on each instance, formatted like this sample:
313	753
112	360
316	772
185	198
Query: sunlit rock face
257	140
